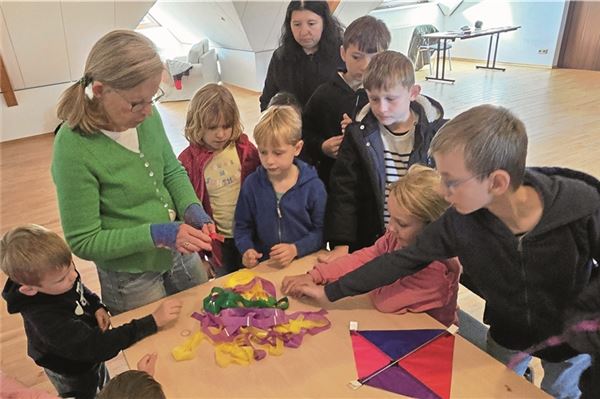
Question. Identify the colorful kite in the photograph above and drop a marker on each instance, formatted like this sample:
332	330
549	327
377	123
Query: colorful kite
415	363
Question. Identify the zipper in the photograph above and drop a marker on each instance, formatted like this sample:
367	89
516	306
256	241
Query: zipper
279	221
524	275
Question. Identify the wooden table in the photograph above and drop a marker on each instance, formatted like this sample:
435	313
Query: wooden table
453	35
320	368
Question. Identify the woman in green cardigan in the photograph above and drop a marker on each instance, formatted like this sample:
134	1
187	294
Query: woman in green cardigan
125	201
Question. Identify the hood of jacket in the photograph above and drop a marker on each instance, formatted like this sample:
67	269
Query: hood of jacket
306	174
17	302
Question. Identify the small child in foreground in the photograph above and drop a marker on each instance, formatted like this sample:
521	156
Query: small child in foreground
67	326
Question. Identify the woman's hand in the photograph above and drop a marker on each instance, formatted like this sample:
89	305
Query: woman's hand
282	254
290	284
191	240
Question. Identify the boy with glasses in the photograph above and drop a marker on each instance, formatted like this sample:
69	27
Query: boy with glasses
526	237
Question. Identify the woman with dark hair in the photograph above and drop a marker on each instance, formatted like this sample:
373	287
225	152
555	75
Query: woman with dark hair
308	53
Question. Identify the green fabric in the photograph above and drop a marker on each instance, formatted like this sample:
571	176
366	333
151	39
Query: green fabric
107	200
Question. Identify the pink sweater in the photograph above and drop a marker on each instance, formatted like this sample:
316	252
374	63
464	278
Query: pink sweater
433	290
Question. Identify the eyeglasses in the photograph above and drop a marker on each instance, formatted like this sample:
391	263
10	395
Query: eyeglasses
452	184
139	106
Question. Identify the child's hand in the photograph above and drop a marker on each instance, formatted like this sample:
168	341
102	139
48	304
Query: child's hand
346	120
313	291
283	254
337	252
190	240
103	319
148	363
331	146
290	283
250	258
167	311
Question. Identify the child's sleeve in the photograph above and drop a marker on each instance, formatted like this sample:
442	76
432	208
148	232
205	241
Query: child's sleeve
434	242
244	223
586	307
313	241
342	203
74	339
430	288
93	299
329	272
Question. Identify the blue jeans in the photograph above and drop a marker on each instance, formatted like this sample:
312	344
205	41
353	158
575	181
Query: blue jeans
560	379
123	291
81	386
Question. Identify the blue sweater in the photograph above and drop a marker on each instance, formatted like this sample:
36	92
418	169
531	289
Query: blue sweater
260	222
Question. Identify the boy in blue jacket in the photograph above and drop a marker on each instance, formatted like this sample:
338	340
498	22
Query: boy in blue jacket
281	206
526	237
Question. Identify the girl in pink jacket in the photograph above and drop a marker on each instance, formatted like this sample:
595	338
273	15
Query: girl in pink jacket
413	202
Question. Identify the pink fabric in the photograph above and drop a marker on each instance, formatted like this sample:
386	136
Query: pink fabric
195	158
433	290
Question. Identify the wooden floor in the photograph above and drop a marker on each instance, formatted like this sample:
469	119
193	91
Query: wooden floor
560	108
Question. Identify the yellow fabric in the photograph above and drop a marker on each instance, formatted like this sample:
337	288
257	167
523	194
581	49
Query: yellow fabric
223	177
243	277
186	351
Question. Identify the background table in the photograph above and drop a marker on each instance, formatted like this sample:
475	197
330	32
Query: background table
453	35
320	368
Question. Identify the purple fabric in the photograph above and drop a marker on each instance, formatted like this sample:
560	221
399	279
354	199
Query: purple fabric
266	284
397	344
398	380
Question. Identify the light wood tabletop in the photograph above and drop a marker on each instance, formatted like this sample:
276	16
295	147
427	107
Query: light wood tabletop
320	368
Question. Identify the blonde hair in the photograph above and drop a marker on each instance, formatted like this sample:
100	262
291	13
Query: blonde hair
211	105
388	69
279	124
29	252
132	384
491	138
121	59
418	193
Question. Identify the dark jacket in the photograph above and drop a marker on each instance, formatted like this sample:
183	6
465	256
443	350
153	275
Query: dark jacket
67	343
195	158
527	282
355	205
321	119
261	222
298	73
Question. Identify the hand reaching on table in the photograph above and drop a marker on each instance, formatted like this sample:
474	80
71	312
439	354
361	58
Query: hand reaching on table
103	319
290	284
251	258
313	291
167	311
148	363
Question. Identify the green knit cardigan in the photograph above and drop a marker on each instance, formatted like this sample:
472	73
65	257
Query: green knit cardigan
108	196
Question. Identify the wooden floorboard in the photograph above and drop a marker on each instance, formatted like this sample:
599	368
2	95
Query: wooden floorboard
560	108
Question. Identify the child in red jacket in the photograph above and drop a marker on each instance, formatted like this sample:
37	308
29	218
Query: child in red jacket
413	203
218	159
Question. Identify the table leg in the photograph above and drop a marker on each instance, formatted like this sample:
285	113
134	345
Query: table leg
437	77
487	66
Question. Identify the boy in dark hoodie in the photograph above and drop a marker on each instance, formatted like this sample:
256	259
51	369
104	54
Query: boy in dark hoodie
335	103
526	237
67	326
281	206
390	134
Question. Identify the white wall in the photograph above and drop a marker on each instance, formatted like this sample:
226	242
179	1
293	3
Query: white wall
401	22
541	28
44	45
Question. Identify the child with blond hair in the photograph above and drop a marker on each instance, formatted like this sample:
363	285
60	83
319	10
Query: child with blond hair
414	202
526	237
218	160
280	210
67	326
